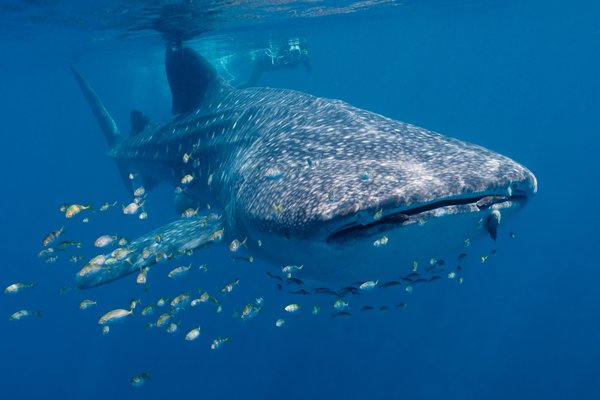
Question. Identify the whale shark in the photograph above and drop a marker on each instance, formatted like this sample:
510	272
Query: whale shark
346	193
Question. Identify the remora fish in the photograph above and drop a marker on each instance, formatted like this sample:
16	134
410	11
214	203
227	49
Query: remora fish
306	175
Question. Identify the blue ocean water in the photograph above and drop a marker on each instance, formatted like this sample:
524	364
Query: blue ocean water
520	78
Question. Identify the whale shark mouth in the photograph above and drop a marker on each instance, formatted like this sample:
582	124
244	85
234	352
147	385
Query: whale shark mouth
356	230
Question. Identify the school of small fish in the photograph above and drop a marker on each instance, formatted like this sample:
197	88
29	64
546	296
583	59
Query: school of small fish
296	296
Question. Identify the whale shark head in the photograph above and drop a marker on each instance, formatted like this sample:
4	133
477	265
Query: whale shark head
352	194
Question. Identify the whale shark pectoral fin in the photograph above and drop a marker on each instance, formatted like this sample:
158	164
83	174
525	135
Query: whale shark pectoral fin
139	121
169	241
106	121
191	78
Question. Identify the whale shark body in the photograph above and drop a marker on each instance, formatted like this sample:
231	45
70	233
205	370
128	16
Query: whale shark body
347	193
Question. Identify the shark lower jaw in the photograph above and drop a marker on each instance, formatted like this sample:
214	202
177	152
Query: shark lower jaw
361	247
366	226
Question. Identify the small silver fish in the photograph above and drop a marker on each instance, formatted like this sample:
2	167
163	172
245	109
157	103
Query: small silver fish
368	285
217	236
142	277
291	308
172	328
85	304
382	241
52	236
288	269
187	179
378	214
133	303
139	191
189	213
161	257
75	209
110	261
180	302
218	342
105	240
114	316
89	270
179	272
131	208
193	334
248	312
204	297
340	305
21	314
163	320
235	245
106	206
98	260
121	253
18	287
148	310
161	302
195	302
140	380
46	252
228	288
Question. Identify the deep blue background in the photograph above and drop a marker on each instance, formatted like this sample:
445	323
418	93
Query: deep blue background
521	79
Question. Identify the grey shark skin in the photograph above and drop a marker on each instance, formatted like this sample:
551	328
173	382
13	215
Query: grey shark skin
318	181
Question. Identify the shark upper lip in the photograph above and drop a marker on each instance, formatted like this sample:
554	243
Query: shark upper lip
356	229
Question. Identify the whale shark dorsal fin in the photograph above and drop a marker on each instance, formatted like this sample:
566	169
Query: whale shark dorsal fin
139	121
191	78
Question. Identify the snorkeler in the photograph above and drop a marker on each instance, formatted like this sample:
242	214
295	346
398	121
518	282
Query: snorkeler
277	56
